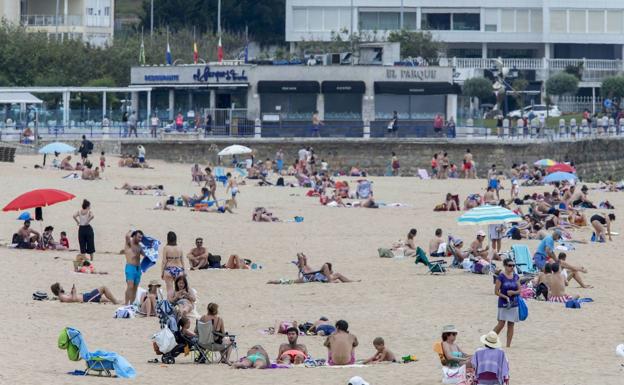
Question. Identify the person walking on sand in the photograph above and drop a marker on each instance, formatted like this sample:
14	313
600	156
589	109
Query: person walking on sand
316	124
133	253
86	236
507	289
395	164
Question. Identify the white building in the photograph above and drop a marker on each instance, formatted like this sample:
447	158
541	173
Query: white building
88	20
561	29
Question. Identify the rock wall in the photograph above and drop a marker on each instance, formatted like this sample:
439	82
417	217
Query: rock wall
594	158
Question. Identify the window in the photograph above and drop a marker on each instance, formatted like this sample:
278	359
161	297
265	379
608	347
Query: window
409	107
106	11
315	19
332	20
409	20
491	20
382	21
558	21
343	106
436	21
577	21
300	19
290	106
369	20
536	20
89	11
389	20
507	20
464	52
466	22
614	21
596	22
522	20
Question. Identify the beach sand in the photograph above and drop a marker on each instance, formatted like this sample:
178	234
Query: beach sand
395	299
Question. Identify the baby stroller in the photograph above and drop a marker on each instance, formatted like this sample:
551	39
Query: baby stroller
168	319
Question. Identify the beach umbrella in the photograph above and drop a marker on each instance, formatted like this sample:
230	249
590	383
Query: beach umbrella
38	198
487	214
545	163
235	149
61	148
558	177
561	167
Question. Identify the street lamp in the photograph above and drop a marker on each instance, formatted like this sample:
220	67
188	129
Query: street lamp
503	77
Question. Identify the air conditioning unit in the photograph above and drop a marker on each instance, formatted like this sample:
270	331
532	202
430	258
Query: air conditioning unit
346	58
334	58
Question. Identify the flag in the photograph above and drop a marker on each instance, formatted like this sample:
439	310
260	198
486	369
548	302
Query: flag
142	52
168	55
220	51
195	53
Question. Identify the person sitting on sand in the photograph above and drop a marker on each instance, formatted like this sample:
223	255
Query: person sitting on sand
166	205
83	265
472	201
198	256
182	291
261	214
66	163
100	295
580	198
27	237
256	358
454	249
341	345
48	242
195	199
571	271
453	355
476	247
409	246
490	363
382	353
489	198
602	226
197	175
556	285
437	246
324	274
292	352
450	204
546	249
149	299
322	327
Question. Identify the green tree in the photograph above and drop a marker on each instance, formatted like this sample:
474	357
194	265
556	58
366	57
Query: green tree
518	86
414	44
561	84
612	87
479	88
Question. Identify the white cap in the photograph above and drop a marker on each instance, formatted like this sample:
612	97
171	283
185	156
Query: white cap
357	380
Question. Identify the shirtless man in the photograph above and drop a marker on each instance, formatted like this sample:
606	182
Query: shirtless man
434	244
476	247
66	163
133	252
292	352
211	184
341	345
99	295
556	285
198	256
232	186
572	271
580	198
28	238
489	197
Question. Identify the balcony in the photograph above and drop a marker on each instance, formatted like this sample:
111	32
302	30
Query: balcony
51	20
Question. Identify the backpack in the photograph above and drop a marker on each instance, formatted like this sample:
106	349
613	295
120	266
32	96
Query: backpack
280	181
40	295
214	261
89	146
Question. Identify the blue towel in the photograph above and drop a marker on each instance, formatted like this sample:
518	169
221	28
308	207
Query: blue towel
150	247
120	364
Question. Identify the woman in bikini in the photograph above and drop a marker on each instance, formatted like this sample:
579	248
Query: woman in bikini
218	328
602	226
172	263
257	358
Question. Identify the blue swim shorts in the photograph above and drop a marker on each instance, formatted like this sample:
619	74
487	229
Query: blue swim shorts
133	274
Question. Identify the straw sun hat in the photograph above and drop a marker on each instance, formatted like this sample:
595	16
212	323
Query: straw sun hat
154	282
491	340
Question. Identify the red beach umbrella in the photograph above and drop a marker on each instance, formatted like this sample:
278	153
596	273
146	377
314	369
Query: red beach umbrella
38	198
562	167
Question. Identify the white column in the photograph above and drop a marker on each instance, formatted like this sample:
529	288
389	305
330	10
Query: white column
103	104
213	99
134	102
66	109
419	18
451	107
547	50
320	105
484	53
149	107
66	10
171	103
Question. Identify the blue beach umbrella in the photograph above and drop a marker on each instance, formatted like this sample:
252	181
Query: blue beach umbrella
558	177
486	215
61	148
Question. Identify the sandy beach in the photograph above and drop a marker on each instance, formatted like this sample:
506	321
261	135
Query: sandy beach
395	299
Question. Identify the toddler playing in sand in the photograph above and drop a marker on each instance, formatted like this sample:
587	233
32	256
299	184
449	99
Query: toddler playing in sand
382	354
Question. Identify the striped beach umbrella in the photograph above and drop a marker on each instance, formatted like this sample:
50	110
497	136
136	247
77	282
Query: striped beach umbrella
545	163
486	214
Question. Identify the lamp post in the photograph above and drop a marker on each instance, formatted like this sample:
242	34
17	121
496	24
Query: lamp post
503	76
151	18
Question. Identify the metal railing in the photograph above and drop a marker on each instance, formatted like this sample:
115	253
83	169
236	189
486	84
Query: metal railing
51	20
536	63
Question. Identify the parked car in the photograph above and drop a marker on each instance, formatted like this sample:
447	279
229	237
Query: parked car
538	110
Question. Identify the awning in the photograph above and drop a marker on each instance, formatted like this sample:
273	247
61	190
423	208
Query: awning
277	87
18	97
346	87
414	88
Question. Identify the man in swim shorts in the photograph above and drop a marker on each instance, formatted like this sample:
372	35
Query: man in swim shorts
341	345
292	352
99	295
133	252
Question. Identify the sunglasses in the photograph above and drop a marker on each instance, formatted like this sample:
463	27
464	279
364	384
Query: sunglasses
511	265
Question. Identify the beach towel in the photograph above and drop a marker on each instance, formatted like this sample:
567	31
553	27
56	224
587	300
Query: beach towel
491	360
150	247
422	173
120	364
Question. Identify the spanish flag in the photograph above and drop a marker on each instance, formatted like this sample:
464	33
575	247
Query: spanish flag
195	53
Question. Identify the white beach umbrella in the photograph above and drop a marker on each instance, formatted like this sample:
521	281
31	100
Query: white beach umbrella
235	149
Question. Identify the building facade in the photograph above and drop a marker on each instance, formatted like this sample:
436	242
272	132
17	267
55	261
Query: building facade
558	29
284	98
89	20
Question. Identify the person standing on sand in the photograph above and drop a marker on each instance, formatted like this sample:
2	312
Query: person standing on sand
86	236
279	161
133	252
316	124
469	171
341	345
395	165
507	289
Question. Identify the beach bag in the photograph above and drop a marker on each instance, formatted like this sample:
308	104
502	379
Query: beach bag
280	181
479	267
40	295
64	343
453	375
385	253
165	340
523	310
214	261
573	304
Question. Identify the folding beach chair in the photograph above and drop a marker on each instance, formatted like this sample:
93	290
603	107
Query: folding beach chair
523	258
242	172
449	375
220	175
207	344
104	363
435	267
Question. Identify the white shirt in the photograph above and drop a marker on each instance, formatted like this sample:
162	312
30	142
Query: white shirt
303	154
324	166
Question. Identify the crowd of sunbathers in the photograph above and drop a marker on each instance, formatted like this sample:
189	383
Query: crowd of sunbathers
28	238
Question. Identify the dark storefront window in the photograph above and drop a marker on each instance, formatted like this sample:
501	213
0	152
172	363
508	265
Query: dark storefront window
343	106
289	106
409	107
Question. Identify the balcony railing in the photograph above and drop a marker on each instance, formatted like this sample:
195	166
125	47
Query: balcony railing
51	20
588	65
